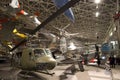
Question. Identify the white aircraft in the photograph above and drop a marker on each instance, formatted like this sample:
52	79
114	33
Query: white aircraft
63	38
63	32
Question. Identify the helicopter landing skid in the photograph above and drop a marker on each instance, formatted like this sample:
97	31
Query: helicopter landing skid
25	74
47	72
51	73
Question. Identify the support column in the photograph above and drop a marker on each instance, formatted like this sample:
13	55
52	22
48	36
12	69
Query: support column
118	27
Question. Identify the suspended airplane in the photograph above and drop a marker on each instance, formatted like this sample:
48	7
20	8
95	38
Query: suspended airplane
13	9
10	21
64	35
28	53
15	4
17	14
50	18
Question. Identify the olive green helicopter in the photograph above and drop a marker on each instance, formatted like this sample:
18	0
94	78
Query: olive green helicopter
34	59
37	58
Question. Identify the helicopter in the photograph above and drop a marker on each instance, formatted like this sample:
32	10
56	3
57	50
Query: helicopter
28	52
10	36
34	59
64	35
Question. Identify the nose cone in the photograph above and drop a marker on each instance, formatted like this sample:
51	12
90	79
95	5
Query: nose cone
47	64
51	65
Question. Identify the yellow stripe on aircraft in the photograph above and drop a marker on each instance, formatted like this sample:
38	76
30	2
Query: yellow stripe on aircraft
19	34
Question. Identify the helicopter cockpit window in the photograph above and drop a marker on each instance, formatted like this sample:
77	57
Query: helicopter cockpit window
38	52
48	51
30	55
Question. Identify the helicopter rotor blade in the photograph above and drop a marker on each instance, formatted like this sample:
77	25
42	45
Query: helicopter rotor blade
66	26
72	34
54	15
50	18
57	28
23	41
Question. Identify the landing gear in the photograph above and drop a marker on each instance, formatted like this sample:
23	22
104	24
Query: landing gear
46	72
50	73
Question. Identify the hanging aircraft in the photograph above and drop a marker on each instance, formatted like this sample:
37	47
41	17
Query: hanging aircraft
50	18
31	54
10	22
15	6
64	35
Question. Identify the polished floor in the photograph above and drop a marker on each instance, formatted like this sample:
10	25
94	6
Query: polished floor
62	72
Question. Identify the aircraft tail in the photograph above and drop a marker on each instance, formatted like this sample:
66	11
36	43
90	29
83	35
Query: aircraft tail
15	4
23	12
68	13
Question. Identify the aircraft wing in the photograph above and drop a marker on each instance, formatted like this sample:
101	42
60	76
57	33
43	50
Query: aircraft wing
50	18
68	12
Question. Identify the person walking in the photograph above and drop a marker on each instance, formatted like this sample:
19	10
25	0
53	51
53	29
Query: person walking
98	60
112	61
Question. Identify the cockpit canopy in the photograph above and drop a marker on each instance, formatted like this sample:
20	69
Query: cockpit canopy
38	52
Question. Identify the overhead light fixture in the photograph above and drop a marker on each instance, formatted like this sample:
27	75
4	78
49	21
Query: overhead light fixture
97	1
97	14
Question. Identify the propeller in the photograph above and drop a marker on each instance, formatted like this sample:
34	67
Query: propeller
63	32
